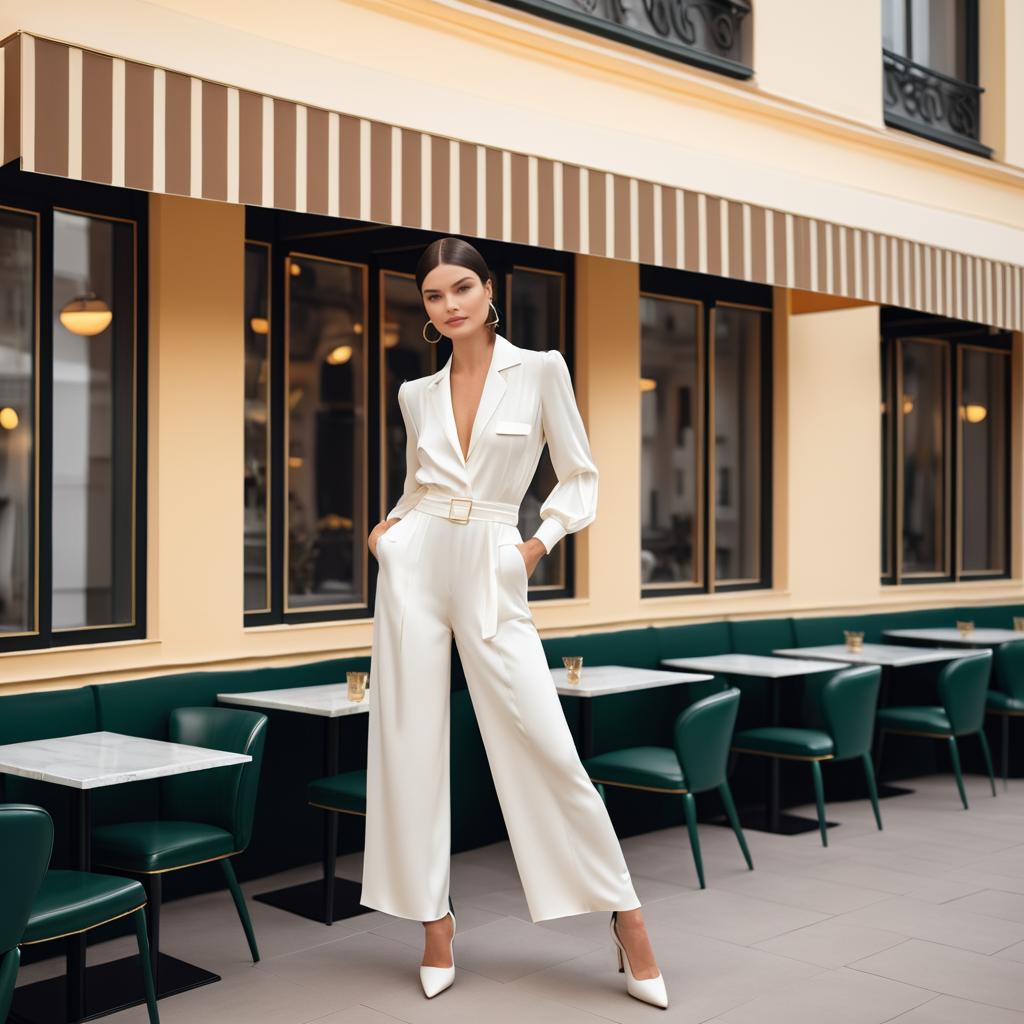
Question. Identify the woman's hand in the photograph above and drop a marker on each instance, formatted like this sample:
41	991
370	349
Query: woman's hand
376	533
532	551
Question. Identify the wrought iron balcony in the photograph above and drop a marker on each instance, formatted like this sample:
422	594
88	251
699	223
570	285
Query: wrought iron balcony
932	104
708	33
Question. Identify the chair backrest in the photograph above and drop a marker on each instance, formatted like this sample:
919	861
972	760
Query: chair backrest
26	841
224	797
848	702
703	735
1008	668
963	687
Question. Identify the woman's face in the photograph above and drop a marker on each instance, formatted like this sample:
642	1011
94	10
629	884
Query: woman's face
456	300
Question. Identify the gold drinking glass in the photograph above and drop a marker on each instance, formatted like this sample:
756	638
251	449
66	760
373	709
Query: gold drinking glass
854	639
965	627
1018	623
357	682
573	667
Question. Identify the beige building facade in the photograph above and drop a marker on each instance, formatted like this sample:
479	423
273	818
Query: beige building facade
492	121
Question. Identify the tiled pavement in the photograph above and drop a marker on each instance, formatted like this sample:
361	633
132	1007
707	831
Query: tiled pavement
922	924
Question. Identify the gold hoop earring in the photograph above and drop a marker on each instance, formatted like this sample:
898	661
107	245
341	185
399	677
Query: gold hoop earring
432	341
494	322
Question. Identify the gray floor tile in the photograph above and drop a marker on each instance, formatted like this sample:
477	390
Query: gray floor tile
840	997
938	923
946	1010
829	944
953	972
728	916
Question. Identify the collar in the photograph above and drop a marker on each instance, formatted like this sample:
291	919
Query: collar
504	354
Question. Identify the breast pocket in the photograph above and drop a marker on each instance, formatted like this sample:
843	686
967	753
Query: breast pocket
512	427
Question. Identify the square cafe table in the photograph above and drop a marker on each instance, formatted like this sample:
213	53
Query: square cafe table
950	635
83	763
328	702
773	670
601	680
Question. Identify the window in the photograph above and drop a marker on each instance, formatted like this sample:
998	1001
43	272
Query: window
713	34
705	428
945	450
257	427
333	325
72	479
930	70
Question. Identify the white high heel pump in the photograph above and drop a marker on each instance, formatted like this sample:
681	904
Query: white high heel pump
648	990
437	979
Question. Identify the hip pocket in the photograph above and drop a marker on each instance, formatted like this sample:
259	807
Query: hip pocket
513	582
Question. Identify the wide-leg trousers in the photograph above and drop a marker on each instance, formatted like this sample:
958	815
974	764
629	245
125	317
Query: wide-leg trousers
433	582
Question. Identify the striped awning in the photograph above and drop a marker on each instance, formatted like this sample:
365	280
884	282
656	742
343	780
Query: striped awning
81	114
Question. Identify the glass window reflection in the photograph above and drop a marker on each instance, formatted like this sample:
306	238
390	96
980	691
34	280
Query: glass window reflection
256	477
326	446
18	236
984	483
671	404
93	518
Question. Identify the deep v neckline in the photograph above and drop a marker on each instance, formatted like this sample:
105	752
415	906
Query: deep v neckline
476	411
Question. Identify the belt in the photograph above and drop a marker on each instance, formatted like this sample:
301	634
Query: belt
461	510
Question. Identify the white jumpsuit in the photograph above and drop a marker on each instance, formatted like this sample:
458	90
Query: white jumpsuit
438	576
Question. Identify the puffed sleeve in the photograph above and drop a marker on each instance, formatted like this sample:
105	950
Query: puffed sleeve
413	490
572	503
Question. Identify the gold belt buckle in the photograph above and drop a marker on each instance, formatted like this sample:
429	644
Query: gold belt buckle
468	507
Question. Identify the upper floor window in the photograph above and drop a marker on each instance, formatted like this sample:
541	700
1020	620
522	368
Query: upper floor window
72	480
930	69
705	433
713	34
946	495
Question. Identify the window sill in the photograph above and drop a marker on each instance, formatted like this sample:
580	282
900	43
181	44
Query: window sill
1001	584
32	652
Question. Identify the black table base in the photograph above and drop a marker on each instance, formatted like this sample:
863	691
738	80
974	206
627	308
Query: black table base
109	987
307	899
782	825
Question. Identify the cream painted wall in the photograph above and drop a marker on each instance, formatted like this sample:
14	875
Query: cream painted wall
834	444
624	109
826	55
1001	67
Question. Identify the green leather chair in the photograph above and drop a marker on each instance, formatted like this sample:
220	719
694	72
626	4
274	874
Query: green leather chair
344	793
1006	697
963	691
205	816
696	763
846	706
37	905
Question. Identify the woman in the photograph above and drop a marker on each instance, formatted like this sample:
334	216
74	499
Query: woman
452	561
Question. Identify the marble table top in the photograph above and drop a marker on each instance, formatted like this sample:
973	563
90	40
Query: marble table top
327	700
895	655
951	635
761	666
94	759
600	680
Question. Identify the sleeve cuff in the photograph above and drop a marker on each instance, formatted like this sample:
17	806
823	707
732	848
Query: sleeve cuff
550	532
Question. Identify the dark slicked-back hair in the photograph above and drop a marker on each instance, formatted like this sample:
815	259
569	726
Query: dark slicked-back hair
456	252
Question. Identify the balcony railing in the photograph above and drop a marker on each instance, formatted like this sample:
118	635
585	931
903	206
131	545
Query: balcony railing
708	33
932	104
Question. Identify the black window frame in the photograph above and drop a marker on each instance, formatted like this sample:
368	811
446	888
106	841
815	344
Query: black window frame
42	195
956	335
904	77
344	239
609	28
710	292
